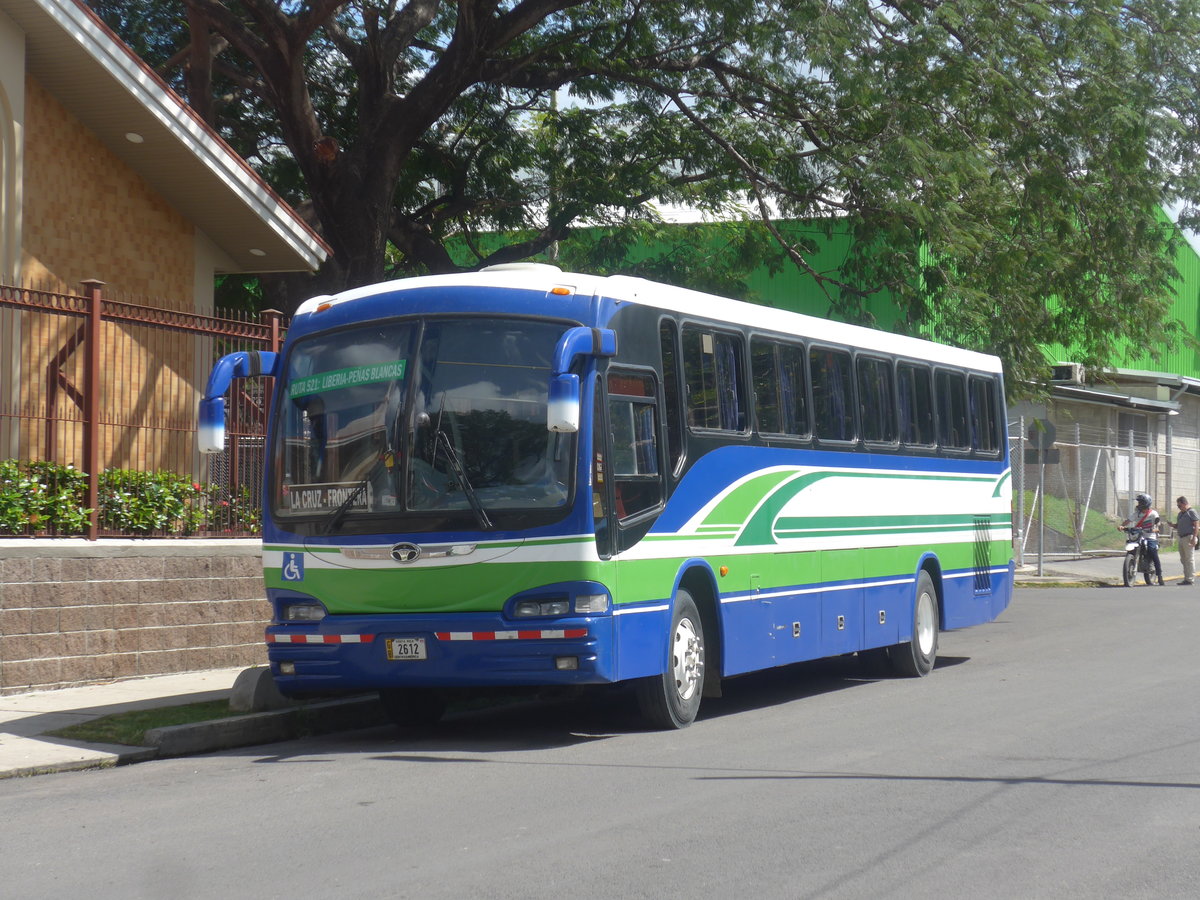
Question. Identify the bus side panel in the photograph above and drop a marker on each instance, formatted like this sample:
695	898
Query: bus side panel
640	633
842	601
887	610
964	606
797	626
747	642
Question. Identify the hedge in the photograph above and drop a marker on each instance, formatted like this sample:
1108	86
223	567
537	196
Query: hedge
44	498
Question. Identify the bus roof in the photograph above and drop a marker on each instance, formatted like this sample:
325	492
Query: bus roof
627	289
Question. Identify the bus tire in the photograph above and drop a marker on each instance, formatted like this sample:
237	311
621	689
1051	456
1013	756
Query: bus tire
916	657
672	699
412	706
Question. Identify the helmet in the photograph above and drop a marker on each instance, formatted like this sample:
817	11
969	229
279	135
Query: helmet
1144	501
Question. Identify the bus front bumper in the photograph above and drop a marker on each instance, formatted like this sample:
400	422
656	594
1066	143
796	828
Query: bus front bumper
356	653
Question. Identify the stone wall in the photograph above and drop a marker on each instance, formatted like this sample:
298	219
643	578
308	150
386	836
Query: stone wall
77	612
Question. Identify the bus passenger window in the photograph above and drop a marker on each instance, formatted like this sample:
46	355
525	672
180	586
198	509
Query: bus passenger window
778	371
766	386
833	394
876	408
952	410
982	398
673	412
914	391
712	366
633	462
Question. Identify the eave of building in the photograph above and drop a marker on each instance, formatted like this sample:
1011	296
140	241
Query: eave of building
113	93
1086	394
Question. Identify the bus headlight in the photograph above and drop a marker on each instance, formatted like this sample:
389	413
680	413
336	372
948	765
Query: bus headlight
591	603
525	609
303	612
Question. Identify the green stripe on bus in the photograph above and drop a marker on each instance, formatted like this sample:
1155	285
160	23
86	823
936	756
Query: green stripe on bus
759	529
485	587
735	507
819	525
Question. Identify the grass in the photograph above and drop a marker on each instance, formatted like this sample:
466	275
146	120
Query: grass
1099	533
131	727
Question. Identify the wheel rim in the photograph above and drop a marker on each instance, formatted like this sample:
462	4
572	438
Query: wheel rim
687	659
926	627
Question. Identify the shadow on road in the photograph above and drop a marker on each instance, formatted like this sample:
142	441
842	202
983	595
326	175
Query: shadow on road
594	714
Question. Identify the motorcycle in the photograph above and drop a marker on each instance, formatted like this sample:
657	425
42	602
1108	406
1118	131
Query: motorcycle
1137	556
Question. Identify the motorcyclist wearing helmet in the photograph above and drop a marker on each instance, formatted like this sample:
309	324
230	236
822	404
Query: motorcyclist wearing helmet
1146	518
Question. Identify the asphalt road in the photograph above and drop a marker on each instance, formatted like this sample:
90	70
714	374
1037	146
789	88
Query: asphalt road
1052	753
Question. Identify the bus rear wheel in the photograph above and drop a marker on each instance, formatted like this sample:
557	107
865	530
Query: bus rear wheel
916	657
672	699
414	706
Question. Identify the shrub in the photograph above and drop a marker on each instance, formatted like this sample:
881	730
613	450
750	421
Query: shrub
46	498
42	497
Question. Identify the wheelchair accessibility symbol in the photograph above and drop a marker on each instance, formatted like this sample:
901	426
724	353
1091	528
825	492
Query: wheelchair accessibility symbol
293	566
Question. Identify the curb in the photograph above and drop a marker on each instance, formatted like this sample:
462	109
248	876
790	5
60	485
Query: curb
1066	582
259	728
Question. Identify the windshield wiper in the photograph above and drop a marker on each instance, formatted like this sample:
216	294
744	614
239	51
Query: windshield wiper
336	517
441	439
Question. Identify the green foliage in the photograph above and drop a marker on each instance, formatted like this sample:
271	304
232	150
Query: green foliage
46	498
1001	165
42	497
1099	532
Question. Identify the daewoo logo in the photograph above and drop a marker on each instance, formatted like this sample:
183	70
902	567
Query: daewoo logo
406	553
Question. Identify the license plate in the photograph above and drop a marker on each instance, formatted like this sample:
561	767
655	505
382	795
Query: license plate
406	648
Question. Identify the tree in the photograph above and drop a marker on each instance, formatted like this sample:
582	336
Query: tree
1001	164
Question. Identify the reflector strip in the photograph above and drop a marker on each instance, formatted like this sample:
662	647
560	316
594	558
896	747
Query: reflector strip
319	638
539	634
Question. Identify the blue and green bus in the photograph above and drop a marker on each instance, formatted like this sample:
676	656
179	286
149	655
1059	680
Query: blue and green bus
523	476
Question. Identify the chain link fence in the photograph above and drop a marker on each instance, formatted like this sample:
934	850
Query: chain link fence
1087	485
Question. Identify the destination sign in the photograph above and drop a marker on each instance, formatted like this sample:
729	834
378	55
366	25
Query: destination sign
317	497
343	378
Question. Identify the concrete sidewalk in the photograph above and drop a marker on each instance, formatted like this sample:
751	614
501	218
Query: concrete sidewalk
1090	571
25	719
25	748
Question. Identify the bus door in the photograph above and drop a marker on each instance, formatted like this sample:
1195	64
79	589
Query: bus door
628	492
634	464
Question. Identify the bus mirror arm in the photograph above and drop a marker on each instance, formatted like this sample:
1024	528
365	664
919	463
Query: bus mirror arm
562	410
210	427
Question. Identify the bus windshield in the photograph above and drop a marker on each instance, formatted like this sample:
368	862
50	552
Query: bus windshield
421	426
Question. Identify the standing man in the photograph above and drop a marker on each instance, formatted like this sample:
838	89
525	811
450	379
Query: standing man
1186	530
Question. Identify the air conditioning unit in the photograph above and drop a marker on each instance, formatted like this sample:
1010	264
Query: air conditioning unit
1067	373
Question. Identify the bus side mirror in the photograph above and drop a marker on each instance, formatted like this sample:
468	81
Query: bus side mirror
562	408
210	424
210	429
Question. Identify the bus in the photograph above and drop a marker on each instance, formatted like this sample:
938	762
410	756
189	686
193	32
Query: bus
523	476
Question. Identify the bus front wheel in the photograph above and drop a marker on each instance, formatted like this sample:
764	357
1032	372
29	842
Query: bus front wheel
672	699
916	657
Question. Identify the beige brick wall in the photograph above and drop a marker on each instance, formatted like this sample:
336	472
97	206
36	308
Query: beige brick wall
87	215
107	613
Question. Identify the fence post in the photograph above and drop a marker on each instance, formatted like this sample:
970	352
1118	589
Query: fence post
1018	467
91	403
274	320
1168	467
